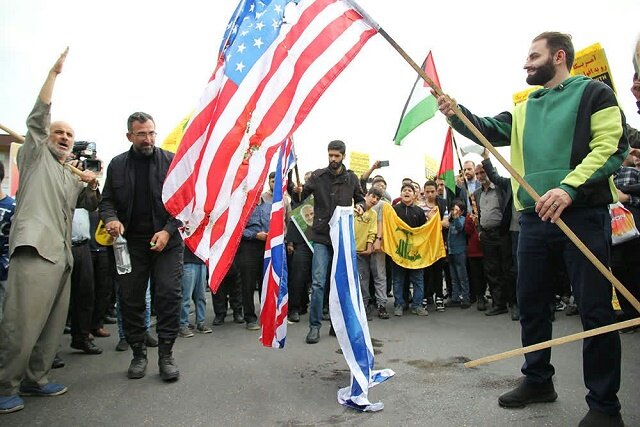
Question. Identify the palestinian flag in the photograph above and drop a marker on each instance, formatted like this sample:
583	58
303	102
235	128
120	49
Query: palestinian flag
446	163
421	105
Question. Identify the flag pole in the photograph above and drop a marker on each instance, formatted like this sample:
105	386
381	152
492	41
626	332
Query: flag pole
466	184
406	104
295	170
20	139
524	184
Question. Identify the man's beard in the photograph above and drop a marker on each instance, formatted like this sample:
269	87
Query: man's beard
57	152
146	151
335	165
542	74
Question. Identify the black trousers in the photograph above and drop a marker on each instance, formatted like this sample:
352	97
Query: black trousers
165	270
229	292
250	261
103	286
433	279
541	244
299	277
82	292
626	268
496	248
477	281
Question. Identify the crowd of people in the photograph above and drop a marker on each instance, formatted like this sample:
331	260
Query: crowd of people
504	255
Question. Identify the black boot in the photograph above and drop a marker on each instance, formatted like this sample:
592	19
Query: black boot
168	368
138	366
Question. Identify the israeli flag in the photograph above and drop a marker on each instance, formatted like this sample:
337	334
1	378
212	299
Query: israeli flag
349	317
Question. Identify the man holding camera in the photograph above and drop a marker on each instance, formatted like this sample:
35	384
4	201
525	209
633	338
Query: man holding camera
37	298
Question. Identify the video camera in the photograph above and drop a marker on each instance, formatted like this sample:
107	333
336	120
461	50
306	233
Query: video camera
85	153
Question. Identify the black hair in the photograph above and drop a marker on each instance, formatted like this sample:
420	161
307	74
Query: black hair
430	183
461	204
272	175
1	171
338	146
410	185
138	116
375	192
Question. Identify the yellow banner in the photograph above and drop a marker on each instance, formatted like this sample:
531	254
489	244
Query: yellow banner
592	62
358	162
172	141
408	247
430	167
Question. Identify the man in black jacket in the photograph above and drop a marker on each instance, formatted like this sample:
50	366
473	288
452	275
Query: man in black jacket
132	206
332	186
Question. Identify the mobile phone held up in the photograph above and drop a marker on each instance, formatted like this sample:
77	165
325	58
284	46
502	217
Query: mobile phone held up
383	163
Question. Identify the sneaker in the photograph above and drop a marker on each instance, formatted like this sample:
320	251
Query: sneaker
238	318
10	404
527	393
123	345
600	419
439	304
203	329
369	311
219	320
560	306
192	326
482	304
496	310
49	389
294	317
382	312
397	310
571	310
420	311
252	326
185	332
58	362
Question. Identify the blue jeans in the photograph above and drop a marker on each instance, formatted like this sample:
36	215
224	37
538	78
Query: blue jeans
459	277
417	279
541	244
147	312
319	268
194	282
3	287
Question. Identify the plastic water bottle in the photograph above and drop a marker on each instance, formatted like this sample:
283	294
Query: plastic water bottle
121	252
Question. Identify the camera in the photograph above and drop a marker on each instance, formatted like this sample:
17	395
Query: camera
85	153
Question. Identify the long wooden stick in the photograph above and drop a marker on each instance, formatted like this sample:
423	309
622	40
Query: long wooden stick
557	341
560	223
20	138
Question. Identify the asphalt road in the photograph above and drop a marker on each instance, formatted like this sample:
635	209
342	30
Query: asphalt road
229	379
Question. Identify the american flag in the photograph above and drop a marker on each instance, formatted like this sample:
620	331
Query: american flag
273	66
349	316
274	301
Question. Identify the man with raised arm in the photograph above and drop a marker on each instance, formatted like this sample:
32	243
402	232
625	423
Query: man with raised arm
37	298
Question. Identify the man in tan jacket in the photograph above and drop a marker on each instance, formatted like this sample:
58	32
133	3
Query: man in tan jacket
37	298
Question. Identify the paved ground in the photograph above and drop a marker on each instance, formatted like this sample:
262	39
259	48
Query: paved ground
228	379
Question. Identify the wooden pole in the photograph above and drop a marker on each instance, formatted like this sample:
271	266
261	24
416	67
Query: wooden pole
546	344
20	138
534	195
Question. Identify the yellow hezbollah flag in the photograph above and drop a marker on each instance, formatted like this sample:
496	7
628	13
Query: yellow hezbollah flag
172	141
408	247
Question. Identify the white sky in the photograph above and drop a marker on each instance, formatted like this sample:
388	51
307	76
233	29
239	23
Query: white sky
156	56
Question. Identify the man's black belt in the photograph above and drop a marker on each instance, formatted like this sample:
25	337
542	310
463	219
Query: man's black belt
80	242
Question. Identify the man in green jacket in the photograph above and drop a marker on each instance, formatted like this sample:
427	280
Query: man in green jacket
566	141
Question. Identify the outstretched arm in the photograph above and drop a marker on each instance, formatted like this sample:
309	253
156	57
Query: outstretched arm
47	89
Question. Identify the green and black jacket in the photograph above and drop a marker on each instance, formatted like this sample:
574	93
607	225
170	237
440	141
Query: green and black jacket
570	136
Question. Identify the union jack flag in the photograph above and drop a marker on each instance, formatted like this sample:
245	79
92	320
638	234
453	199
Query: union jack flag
276	60
274	301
